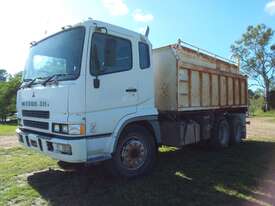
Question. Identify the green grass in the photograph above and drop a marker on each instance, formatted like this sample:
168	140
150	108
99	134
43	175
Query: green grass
15	165
7	129
239	175
260	113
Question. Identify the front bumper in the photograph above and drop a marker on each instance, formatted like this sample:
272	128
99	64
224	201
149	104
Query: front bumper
48	145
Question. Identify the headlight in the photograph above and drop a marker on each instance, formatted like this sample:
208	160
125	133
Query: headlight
56	128
71	129
64	128
74	129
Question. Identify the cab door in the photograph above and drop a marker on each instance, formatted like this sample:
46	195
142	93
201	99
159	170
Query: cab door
111	81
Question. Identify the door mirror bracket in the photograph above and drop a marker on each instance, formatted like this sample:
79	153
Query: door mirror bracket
96	65
96	82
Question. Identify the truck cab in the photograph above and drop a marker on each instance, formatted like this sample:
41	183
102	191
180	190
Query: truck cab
81	86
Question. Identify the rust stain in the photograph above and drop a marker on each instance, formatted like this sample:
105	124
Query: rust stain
200	77
219	89
210	88
227	93
207	70
234	101
240	92
189	87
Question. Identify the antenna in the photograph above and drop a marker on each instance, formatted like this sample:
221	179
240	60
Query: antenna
147	31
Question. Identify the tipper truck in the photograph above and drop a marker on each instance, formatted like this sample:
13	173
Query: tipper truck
97	92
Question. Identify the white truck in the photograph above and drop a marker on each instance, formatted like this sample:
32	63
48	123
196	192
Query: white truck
97	92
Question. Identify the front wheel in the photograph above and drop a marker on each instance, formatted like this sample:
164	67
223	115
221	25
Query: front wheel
135	154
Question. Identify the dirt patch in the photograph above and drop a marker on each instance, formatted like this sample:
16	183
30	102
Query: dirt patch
261	127
8	141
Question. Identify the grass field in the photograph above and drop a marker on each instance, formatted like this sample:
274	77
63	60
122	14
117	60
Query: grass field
240	175
260	113
7	129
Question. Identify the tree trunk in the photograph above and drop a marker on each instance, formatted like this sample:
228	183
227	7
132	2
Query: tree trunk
267	97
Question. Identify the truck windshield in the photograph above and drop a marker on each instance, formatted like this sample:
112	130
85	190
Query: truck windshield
59	54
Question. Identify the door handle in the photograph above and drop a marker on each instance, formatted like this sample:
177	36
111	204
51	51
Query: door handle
131	90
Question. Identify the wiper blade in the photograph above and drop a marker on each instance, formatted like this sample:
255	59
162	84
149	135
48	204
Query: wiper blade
53	77
31	82
48	79
24	83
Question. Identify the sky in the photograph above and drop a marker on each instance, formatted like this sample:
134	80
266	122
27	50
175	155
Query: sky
210	24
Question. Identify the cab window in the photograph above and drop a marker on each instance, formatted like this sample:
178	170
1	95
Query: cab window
144	55
110	54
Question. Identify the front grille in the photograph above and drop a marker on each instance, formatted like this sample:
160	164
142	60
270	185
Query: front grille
36	113
35	124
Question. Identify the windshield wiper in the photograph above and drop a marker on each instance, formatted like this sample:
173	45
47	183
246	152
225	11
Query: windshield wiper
31	82
54	76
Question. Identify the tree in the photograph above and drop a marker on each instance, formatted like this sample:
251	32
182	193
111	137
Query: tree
257	57
8	92
3	75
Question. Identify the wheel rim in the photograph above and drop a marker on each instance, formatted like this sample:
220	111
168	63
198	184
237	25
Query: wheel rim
133	154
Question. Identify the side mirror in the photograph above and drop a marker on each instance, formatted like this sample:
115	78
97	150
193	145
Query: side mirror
96	83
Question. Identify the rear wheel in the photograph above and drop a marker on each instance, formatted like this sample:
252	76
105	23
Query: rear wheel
221	134
236	130
135	154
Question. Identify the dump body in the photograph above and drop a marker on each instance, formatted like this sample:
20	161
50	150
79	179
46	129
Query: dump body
187	79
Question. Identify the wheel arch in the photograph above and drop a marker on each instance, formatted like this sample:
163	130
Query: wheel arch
149	122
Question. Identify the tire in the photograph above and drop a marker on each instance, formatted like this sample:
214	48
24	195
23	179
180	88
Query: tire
135	154
236	131
221	134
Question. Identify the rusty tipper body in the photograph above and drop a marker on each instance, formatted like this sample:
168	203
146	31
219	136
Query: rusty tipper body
188	79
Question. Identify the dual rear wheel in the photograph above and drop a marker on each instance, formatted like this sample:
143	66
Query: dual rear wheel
227	132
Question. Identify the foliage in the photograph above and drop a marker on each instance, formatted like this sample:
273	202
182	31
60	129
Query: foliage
257	56
3	75
8	92
256	94
255	104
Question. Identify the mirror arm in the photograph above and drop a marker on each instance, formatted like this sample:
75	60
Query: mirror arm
96	82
